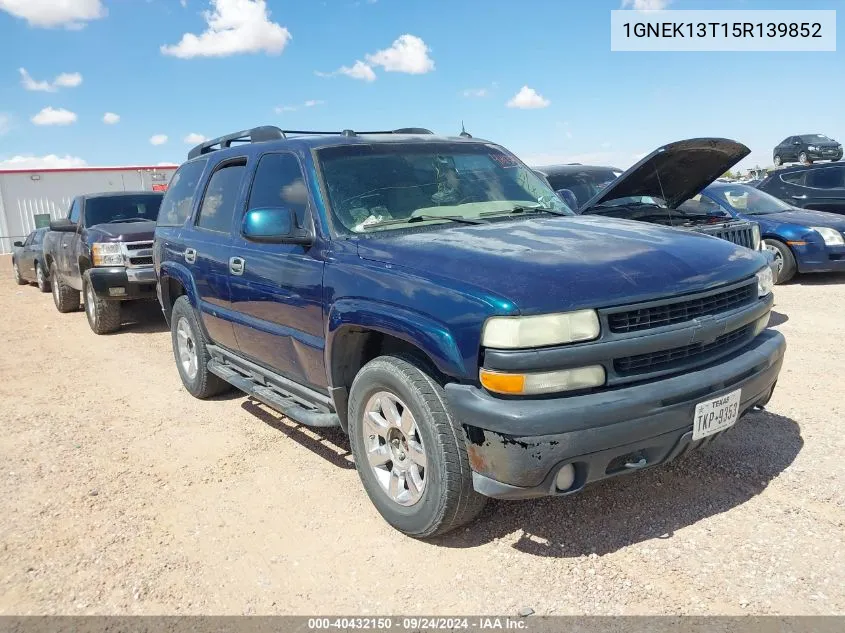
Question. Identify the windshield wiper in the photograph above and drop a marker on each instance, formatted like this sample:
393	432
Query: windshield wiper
135	219
520	208
420	218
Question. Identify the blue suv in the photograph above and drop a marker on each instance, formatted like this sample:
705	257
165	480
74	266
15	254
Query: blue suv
436	300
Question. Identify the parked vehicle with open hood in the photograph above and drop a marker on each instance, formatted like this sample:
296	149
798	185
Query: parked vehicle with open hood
654	189
436	300
801	240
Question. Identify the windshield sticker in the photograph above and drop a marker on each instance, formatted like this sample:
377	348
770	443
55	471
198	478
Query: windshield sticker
503	160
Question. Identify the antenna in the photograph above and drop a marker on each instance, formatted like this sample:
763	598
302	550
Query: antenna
464	133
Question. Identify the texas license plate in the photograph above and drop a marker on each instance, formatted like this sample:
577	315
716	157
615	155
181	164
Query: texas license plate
718	414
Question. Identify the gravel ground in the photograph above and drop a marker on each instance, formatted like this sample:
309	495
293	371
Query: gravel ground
123	494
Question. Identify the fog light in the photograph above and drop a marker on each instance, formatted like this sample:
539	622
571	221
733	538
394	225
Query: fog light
762	323
117	292
565	478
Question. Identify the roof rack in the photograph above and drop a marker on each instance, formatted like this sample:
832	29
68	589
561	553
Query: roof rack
272	133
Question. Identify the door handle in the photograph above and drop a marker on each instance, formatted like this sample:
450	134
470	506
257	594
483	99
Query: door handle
190	255
236	265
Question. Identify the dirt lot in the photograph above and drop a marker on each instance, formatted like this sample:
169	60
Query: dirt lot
123	494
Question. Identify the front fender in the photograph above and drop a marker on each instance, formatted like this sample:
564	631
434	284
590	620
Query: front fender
430	336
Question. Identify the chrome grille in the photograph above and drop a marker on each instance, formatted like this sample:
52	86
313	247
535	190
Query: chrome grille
739	235
681	311
138	254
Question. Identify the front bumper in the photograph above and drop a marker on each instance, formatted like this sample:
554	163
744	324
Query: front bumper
817	257
823	155
118	283
517	446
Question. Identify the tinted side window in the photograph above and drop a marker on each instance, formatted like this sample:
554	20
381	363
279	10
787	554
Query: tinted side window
826	178
786	141
794	178
178	201
74	211
279	183
38	237
29	239
218	204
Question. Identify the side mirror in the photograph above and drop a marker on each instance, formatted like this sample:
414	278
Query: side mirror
276	225
569	198
796	142
63	226
18	243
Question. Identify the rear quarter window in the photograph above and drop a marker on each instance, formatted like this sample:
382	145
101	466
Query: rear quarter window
826	178
794	178
178	201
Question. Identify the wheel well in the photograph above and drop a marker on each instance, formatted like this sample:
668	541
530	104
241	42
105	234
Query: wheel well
355	347
172	290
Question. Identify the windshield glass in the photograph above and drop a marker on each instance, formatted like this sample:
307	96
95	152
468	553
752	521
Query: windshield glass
122	208
815	138
391	186
749	200
584	184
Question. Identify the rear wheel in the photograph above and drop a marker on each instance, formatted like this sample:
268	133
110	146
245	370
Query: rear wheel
408	450
784	260
18	279
191	352
65	297
778	160
103	315
41	278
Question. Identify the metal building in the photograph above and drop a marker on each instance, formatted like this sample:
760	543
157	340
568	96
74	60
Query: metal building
29	199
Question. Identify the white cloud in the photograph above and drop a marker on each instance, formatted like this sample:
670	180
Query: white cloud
476	92
71	14
408	54
184	3
285	108
167	164
110	118
68	80
234	27
192	139
51	161
64	80
358	70
5	123
158	139
53	116
313	102
645	5
528	99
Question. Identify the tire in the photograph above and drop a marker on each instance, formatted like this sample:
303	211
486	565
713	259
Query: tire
41	278
103	315
65	297
200	382
778	160
804	159
784	256
18	279
446	500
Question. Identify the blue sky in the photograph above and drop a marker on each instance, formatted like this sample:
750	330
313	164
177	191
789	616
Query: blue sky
429	63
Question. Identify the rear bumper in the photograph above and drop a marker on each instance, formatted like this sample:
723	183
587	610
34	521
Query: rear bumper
120	284
517	446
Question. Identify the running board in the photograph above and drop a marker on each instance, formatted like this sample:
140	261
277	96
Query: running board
274	397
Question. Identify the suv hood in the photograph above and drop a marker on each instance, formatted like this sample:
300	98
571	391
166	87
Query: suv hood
554	264
123	231
674	172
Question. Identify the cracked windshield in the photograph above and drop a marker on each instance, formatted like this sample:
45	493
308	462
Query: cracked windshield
378	187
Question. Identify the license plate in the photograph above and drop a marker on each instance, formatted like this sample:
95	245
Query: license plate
718	414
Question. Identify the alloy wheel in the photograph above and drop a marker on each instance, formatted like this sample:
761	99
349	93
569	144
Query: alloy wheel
90	298
777	255
186	348
394	448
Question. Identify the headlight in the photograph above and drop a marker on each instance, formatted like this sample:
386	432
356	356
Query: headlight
107	254
539	331
545	382
755	237
831	237
765	281
812	148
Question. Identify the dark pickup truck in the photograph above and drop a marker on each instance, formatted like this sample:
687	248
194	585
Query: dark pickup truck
103	249
434	298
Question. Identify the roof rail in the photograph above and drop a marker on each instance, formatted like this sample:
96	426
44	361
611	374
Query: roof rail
273	133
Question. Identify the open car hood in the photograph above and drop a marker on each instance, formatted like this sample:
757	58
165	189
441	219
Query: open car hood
675	172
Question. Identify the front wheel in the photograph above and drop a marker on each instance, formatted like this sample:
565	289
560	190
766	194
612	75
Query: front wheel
65	297
103	315
191	352
41	278
18	279
804	159
784	260
408	450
